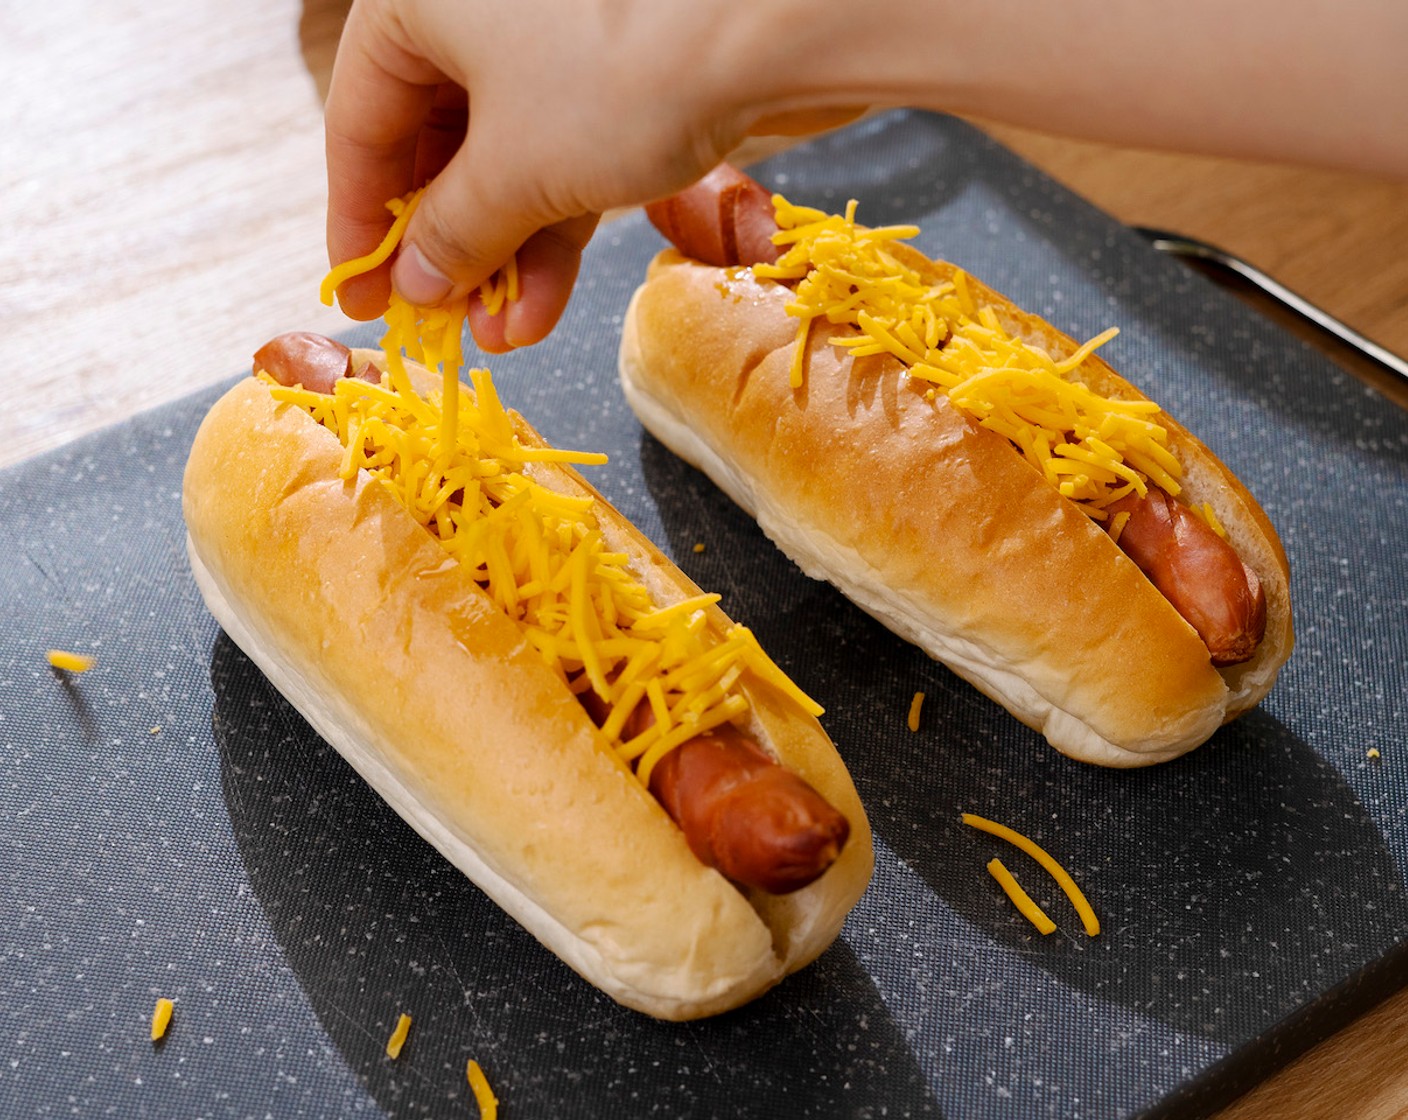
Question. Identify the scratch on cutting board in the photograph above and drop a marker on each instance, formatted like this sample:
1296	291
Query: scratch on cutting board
49	576
709	1066
450	960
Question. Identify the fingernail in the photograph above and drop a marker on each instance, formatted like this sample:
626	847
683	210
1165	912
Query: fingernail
515	329
418	281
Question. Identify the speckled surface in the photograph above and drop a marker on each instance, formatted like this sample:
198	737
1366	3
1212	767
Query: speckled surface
169	825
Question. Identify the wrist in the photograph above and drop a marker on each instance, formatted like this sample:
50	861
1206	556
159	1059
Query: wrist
774	58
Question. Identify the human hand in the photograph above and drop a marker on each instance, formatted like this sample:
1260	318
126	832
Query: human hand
528	121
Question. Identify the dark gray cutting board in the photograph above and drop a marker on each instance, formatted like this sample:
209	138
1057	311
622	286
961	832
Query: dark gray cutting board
169	826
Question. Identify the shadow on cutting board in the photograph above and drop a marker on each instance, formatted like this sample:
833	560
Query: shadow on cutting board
374	922
1234	885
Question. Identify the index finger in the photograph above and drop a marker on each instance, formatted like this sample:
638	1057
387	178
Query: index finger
379	100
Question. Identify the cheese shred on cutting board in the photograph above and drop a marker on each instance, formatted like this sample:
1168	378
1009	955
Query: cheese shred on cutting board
483	1095
398	1036
161	1018
1043	857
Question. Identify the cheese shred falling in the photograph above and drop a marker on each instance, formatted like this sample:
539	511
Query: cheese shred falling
483	1095
398	1037
1093	449
429	335
455	462
1056	871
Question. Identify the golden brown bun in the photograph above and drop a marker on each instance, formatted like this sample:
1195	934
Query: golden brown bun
936	526
407	668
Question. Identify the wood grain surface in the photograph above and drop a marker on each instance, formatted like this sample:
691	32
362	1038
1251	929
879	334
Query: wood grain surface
162	208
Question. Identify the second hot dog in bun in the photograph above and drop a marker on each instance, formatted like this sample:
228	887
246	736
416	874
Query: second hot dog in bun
985	486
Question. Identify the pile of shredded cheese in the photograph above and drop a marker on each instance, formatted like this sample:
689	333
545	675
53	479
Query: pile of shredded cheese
1094	449
540	554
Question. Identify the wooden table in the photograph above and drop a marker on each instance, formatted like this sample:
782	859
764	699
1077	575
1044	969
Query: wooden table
162	209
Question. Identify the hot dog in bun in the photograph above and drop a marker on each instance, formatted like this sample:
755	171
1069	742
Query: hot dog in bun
988	488
523	676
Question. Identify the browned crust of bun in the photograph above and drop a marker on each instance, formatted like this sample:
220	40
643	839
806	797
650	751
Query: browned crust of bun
407	667
936	525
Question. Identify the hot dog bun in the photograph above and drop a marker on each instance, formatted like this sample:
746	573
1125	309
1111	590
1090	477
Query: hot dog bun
398	658
938	527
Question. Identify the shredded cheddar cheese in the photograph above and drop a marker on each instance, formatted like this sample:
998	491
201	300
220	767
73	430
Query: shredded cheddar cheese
454	461
398	1037
1020	898
1093	449
68	662
161	1018
429	335
483	1095
1117	524
1210	516
1057	872
914	706
501	289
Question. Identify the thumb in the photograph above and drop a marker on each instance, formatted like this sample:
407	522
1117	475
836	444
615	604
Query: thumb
467	225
